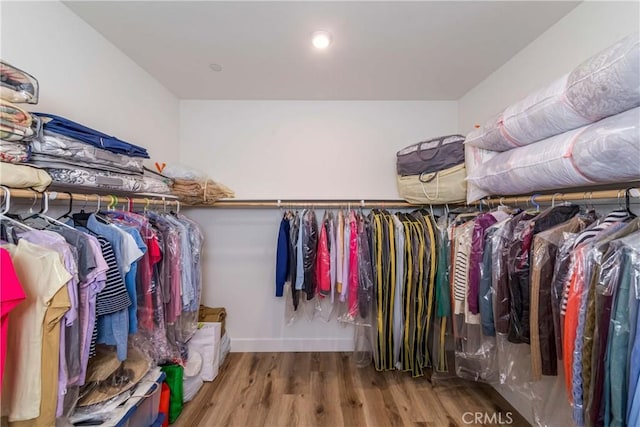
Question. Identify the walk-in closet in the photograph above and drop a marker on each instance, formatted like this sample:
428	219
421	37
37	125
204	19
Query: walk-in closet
320	213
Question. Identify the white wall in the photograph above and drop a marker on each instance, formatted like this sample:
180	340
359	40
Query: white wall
307	149
239	272
589	28
85	78
289	149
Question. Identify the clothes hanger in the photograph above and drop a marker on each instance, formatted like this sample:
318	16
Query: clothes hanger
44	216
627	203
146	205
5	210
587	206
34	215
82	217
533	207
68	212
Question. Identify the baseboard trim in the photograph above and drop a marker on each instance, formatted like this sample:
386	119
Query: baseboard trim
260	345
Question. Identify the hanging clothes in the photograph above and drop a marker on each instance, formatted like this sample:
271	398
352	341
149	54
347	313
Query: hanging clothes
11	294
79	285
282	255
43	277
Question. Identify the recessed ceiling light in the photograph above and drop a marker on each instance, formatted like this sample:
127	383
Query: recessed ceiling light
215	67
321	39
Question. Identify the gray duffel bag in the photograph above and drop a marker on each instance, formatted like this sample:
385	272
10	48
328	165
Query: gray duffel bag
431	156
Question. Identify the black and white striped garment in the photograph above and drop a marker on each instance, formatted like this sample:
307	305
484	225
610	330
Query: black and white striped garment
114	296
461	267
618	215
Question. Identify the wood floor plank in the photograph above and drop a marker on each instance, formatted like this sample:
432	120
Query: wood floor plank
328	390
378	411
325	392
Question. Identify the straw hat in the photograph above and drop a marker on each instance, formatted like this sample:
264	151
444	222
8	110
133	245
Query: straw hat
104	365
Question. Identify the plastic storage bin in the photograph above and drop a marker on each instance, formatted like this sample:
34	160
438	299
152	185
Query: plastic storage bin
147	412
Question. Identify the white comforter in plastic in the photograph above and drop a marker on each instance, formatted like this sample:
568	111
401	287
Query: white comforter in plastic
605	152
606	84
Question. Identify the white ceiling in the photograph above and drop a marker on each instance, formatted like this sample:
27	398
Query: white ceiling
382	50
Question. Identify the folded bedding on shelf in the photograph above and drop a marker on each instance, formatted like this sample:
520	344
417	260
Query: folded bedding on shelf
44	161
604	85
94	178
16	85
14	152
604	152
66	127
66	149
200	192
10	131
22	176
14	114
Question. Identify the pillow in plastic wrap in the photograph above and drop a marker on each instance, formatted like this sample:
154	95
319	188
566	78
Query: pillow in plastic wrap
474	157
605	152
608	83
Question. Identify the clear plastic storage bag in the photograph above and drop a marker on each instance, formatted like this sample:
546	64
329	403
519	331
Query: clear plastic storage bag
17	85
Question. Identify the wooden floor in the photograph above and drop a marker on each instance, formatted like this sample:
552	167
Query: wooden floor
326	389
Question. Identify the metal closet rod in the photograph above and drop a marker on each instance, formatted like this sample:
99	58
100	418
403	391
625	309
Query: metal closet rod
312	203
587	196
105	200
324	203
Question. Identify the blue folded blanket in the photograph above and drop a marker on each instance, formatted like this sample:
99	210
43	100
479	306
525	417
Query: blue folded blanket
90	136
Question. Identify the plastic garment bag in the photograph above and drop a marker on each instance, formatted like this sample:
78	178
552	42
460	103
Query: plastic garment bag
633	401
442	348
514	360
475	354
623	313
584	343
324	266
309	253
384	263
549	407
359	292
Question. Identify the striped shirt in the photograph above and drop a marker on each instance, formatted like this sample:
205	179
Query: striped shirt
587	235
114	297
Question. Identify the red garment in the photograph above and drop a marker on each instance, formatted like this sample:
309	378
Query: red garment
11	294
151	257
323	263
353	266
571	316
